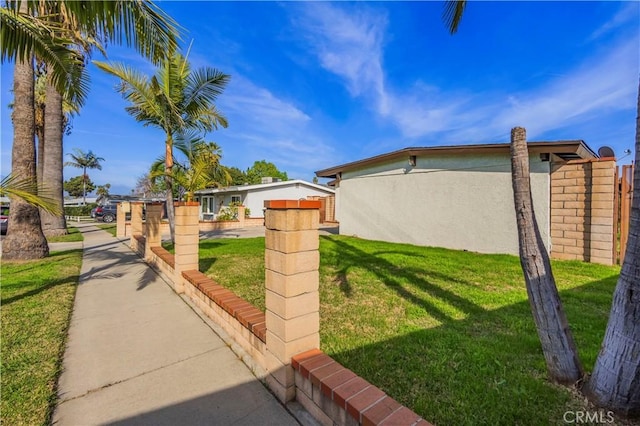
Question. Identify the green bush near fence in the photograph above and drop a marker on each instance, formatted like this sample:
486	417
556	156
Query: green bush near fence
79	210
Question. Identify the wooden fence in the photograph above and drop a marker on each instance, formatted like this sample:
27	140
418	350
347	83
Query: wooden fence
625	194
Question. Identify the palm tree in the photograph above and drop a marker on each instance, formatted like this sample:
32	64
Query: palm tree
84	160
615	381
202	168
28	29
175	100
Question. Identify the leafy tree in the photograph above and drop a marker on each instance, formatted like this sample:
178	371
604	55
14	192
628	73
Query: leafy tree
84	160
238	177
201	168
103	191
79	186
262	169
176	100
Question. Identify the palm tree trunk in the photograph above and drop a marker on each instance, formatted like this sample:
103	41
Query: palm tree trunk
168	180
615	381
84	186
52	172
558	346
24	239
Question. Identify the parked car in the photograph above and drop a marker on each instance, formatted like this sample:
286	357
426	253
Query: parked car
106	213
4	223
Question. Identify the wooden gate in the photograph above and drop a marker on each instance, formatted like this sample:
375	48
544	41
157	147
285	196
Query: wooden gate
625	195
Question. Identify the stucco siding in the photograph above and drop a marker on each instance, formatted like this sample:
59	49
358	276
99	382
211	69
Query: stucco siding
255	199
461	202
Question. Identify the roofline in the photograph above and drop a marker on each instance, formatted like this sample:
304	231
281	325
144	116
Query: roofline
578	147
245	188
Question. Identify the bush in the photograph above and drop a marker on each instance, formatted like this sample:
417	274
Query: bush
79	210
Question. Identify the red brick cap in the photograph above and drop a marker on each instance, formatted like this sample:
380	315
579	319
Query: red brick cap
292	204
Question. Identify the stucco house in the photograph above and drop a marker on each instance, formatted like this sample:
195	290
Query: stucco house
461	197
254	196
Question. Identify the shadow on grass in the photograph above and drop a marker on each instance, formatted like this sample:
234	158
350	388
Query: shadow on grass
391	275
205	263
42	288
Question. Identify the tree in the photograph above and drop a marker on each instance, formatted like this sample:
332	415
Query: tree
84	160
202	168
24	239
262	169
79	186
238	177
558	346
28	29
28	192
149	186
103	191
176	100
615	381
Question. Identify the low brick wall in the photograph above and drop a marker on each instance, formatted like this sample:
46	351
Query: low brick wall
335	395
281	342
241	320
205	226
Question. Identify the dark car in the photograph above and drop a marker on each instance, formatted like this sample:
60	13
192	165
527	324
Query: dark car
4	223
106	213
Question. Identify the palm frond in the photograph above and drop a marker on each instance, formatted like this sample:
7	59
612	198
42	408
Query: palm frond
452	14
22	36
27	189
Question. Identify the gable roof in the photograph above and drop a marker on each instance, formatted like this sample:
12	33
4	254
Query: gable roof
270	185
567	150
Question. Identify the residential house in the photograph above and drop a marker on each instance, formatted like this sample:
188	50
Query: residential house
461	197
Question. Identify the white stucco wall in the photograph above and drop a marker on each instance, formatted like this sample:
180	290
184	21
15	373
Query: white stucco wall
256	198
460	202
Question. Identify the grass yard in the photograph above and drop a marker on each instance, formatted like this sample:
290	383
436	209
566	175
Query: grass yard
73	236
37	298
109	227
448	333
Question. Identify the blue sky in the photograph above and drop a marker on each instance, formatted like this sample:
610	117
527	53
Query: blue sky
317	84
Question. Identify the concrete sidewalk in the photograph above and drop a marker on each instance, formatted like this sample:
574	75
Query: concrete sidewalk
137	354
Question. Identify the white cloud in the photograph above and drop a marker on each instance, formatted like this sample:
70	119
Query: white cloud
264	126
627	13
606	82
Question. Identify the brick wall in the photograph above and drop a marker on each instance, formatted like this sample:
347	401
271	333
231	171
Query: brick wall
583	210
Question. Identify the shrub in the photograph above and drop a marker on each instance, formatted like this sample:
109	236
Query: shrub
79	210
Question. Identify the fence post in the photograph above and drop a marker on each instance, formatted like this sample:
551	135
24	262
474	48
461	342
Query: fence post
291	279
121	217
153	237
136	223
241	210
187	235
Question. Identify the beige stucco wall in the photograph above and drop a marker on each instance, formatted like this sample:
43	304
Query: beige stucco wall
460	202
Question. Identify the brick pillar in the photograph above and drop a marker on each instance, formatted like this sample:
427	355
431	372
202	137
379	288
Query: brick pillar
121	217
136	223
291	278
187	239
153	237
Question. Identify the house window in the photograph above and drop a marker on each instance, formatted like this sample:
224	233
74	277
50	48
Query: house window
235	199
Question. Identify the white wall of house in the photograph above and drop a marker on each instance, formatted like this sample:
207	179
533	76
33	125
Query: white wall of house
460	202
254	196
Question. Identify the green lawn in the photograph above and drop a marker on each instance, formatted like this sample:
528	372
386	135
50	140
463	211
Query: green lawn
37	298
109	227
447	333
73	235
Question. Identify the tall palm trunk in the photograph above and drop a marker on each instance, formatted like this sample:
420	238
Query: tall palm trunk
24	239
52	172
558	346
615	381
168	180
